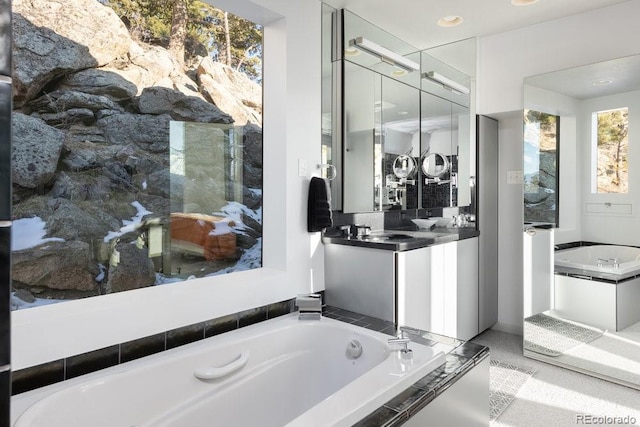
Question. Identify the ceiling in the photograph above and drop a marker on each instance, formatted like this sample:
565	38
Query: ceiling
593	80
414	21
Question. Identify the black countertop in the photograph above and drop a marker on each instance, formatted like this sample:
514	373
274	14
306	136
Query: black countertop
404	240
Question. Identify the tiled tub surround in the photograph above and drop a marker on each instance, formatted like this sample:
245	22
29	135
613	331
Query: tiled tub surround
460	358
74	366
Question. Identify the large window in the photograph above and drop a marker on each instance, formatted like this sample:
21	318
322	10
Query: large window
541	154
138	165
611	136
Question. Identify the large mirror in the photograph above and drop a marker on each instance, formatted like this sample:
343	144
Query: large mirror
445	130
580	307
374	132
381	142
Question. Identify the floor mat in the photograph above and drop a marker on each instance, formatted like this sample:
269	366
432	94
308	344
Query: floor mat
505	382
552	336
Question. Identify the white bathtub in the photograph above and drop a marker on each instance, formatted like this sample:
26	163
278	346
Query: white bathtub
288	373
589	258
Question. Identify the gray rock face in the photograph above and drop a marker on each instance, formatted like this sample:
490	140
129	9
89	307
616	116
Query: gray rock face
52	39
231	91
60	101
87	225
35	151
159	100
150	132
55	265
100	82
134	269
92	135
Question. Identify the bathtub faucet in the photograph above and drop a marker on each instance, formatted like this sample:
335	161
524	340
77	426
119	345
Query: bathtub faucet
405	351
309	306
605	261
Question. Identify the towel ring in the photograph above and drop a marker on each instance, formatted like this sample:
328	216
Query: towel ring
332	171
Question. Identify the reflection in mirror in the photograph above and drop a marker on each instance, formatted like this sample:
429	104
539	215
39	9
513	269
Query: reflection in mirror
435	165
541	167
381	142
371	116
361	145
135	184
404	167
438	134
400	113
580	303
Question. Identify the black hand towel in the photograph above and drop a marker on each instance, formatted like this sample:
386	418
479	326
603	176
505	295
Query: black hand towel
319	205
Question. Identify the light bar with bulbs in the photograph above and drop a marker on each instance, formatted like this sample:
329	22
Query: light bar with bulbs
384	54
446	82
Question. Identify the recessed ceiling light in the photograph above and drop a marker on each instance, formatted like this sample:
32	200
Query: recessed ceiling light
602	82
450	21
523	2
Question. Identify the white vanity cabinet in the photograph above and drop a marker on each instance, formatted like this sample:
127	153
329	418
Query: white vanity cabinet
434	288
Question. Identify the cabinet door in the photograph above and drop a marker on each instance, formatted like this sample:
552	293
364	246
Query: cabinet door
417	307
467	289
361	280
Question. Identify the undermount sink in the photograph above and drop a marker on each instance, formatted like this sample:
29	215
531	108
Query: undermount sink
387	237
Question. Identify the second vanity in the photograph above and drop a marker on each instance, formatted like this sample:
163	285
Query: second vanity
423	279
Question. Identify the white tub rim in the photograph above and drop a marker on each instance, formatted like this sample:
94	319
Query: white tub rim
574	258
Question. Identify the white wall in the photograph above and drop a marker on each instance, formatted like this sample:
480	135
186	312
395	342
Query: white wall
293	259
505	59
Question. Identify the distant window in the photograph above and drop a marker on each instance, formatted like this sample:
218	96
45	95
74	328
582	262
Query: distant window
611	136
541	150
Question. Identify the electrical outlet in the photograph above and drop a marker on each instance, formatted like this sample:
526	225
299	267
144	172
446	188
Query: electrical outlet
514	177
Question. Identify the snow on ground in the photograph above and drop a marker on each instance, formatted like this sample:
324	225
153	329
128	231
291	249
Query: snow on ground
29	232
128	226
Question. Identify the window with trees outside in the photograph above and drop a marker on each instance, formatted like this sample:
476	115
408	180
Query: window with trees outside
540	169
611	136
137	146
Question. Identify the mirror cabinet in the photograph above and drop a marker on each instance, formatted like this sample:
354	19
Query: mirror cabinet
397	141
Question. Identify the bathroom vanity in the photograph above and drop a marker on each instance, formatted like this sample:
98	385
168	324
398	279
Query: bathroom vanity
422	279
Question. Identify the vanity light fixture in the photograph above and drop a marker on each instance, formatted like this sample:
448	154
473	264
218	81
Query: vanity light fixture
446	83
384	54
